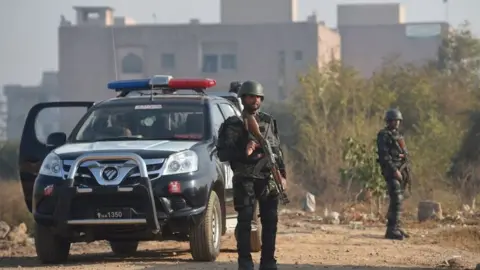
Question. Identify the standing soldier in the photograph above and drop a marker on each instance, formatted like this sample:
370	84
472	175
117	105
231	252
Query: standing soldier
250	183
392	154
235	87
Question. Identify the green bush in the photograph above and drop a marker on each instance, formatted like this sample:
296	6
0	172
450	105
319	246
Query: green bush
334	103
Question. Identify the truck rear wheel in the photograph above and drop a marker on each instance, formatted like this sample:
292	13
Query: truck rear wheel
256	233
205	237
50	248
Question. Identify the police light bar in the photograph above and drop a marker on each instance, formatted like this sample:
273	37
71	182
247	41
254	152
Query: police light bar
161	81
143	84
191	83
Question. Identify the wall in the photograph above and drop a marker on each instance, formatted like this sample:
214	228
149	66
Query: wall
257	11
370	14
87	59
365	47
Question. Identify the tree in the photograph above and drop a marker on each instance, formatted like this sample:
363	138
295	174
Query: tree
333	104
361	167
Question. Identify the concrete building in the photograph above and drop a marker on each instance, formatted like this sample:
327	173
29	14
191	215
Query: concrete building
271	47
21	98
373	32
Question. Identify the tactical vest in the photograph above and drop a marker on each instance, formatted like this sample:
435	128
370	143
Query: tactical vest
268	128
396	145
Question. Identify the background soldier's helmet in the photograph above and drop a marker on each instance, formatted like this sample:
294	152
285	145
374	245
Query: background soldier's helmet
393	114
235	87
251	88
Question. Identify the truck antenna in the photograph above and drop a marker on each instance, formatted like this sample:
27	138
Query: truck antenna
114	47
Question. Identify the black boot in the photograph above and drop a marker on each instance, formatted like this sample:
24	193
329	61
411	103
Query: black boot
270	265
394	234
245	264
404	233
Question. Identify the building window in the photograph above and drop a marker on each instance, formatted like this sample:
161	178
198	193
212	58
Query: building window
229	61
132	64
210	63
168	60
298	55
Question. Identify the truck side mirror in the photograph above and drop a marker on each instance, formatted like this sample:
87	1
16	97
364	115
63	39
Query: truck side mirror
56	139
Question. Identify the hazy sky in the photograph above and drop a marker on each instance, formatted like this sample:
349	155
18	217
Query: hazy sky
28	28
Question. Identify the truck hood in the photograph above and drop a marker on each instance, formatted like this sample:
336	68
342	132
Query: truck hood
124	146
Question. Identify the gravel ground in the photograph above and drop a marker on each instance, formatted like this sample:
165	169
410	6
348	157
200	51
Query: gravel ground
301	245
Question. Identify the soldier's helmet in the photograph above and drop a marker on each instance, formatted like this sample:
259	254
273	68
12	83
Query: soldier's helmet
252	88
235	87
393	114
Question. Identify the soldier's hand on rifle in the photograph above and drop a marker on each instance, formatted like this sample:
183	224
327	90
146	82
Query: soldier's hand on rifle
397	175
284	183
251	146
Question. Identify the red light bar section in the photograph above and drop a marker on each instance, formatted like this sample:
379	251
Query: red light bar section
191	83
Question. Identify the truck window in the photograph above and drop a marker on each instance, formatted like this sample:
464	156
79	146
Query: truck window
172	121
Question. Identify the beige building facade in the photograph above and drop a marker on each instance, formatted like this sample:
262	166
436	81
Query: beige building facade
372	33
272	48
272	51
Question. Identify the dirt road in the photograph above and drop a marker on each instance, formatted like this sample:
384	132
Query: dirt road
300	246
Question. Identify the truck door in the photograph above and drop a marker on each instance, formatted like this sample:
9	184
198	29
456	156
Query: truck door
234	99
33	147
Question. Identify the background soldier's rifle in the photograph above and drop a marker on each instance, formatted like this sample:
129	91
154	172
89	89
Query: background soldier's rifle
251	125
405	168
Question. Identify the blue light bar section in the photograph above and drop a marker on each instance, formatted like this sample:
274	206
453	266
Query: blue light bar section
142	84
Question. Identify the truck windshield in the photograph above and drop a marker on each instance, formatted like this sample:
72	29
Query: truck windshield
170	121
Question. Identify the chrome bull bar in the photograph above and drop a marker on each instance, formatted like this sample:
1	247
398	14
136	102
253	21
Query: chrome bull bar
151	217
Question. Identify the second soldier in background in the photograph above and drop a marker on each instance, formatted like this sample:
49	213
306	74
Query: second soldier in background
392	154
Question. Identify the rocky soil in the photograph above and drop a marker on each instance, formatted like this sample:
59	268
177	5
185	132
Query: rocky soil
349	240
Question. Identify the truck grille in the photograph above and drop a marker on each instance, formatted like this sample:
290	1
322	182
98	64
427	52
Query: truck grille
89	173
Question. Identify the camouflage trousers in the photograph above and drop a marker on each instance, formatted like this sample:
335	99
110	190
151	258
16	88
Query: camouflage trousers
395	193
245	192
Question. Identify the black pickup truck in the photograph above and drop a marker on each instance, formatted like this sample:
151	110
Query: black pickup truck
138	167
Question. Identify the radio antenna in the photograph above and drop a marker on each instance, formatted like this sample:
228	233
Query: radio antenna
114	47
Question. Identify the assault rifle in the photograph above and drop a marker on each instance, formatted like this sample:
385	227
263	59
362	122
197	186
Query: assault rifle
407	176
251	125
405	167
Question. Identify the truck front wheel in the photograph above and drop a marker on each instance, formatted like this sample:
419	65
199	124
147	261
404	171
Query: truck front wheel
205	237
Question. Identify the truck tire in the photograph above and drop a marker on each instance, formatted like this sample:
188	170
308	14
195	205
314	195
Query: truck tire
50	248
123	248
256	233
205	237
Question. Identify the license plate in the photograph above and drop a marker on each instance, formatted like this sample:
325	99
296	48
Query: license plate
113	213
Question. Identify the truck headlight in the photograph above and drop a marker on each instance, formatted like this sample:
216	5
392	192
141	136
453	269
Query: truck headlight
52	166
182	162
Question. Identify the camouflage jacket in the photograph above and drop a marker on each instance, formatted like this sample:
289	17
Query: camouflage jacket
391	149
245	169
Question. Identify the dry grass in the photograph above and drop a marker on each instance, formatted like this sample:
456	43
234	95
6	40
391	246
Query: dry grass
12	205
466	238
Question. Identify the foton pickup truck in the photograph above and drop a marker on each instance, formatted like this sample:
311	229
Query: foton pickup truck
138	167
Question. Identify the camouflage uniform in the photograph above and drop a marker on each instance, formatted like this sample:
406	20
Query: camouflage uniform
391	156
250	183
